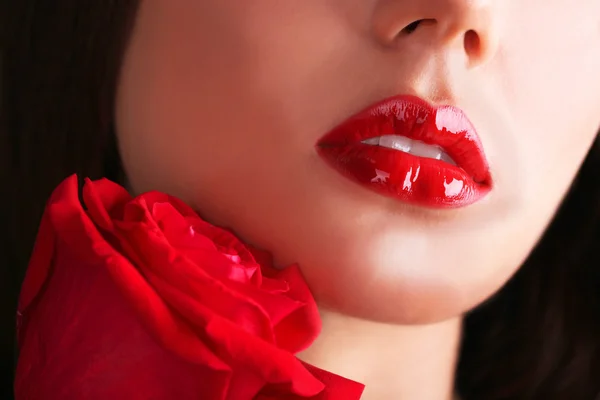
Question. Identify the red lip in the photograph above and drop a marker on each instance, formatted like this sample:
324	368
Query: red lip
410	178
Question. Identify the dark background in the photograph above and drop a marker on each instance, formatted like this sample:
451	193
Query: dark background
8	283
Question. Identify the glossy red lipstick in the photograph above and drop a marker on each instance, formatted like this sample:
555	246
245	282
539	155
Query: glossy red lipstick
409	150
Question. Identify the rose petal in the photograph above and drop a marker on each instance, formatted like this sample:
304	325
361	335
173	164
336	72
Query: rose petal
213	323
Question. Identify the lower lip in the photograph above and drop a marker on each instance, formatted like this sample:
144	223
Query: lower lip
416	180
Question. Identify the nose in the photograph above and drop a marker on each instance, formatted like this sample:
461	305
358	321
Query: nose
471	26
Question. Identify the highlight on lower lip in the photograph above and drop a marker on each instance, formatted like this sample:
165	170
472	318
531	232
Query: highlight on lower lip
421	181
408	150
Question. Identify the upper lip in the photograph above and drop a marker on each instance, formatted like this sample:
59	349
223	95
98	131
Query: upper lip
445	126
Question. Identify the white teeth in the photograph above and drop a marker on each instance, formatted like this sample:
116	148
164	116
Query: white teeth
373	141
446	158
421	149
395	142
414	147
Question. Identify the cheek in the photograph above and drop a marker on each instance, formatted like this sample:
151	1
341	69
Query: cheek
547	81
550	67
229	83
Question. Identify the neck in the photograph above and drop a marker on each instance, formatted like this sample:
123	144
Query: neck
393	361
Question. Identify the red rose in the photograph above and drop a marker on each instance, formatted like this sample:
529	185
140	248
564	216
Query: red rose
139	298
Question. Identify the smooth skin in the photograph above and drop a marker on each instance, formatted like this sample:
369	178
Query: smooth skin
221	103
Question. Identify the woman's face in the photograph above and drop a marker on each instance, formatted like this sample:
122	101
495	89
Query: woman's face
222	103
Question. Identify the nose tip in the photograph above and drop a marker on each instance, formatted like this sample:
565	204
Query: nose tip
469	25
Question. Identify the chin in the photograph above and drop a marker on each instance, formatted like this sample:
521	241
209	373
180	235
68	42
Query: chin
403	304
404	295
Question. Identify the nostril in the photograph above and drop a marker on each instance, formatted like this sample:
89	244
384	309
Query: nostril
410	28
472	43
